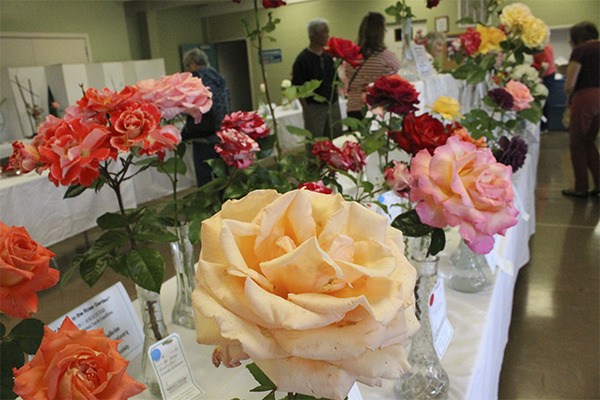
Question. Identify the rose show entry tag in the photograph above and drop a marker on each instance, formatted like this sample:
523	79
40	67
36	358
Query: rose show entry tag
113	311
441	328
173	370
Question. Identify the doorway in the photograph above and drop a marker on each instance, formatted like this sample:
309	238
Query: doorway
232	62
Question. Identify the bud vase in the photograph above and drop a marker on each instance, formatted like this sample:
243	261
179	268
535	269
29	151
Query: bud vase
182	251
408	66
467	274
154	330
426	378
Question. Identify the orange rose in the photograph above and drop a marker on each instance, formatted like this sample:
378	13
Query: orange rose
76	364
24	270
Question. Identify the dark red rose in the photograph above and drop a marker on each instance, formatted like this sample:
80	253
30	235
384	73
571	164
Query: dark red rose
432	3
502	98
422	132
272	3
345	49
317	186
330	154
394	94
470	41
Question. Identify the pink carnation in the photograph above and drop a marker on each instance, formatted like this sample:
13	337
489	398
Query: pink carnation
176	94
236	149
461	185
521	95
249	123
398	177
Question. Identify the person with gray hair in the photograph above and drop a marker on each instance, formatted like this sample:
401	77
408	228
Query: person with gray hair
204	134
314	63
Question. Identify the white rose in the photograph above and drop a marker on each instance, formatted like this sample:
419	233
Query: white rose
286	83
315	289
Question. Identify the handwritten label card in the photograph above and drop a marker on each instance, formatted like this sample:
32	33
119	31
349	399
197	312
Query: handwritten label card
113	311
173	370
441	328
424	64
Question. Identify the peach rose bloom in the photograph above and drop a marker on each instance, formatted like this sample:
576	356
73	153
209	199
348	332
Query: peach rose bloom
521	95
315	289
463	186
76	364
24	271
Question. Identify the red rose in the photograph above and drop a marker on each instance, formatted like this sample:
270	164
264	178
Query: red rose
317	186
24	271
272	3
132	125
422	132
354	156
236	148
249	123
330	154
432	3
345	49
393	93
470	41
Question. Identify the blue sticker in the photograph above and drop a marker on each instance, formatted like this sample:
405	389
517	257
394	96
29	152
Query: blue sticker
155	354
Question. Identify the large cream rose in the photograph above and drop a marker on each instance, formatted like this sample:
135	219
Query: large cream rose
535	33
514	16
315	289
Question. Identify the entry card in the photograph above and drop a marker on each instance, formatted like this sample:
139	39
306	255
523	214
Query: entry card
113	311
173	370
441	328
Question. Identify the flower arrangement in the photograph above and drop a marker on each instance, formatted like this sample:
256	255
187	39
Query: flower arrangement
309	283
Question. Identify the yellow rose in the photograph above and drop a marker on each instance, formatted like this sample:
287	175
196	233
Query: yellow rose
491	38
447	107
315	289
514	16
535	33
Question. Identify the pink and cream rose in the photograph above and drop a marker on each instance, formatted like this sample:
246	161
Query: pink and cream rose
398	178
76	364
461	185
315	289
24	271
522	97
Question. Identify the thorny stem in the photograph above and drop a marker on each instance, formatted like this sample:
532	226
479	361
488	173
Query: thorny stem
264	78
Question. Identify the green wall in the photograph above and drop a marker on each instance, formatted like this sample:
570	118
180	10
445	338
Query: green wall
103	21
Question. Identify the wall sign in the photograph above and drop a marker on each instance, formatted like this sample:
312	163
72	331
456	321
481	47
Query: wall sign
271	56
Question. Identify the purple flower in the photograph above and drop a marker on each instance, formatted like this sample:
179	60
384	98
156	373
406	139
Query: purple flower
511	152
502	97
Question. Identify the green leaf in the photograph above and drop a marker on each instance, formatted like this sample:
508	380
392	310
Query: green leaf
91	270
353	123
218	166
172	166
150	229
476	75
109	221
438	241
533	114
266	145
307	89
6	386
146	267
12	355
260	376
146	161
106	243
270	396
29	333
236	190
410	224
181	149
74	191
294	130
2	330
373	141
195	231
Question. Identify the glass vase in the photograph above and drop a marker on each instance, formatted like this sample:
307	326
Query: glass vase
408	66
468	268
426	378
154	330
182	251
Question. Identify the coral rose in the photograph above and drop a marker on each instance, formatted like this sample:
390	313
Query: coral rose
522	97
463	186
76	364
249	123
132	125
24	271
236	149
393	93
346	50
315	289
24	158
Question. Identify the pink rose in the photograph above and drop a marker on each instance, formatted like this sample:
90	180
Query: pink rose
461	185
76	364
521	95
249	123
176	94
24	271
236	149
25	157
399	178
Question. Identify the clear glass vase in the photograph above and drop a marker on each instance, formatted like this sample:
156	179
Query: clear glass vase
426	378
154	330
408	66
468	270
182	251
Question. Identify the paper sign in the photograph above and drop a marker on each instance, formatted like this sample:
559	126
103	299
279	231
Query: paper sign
424	64
173	370
113	311
441	328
